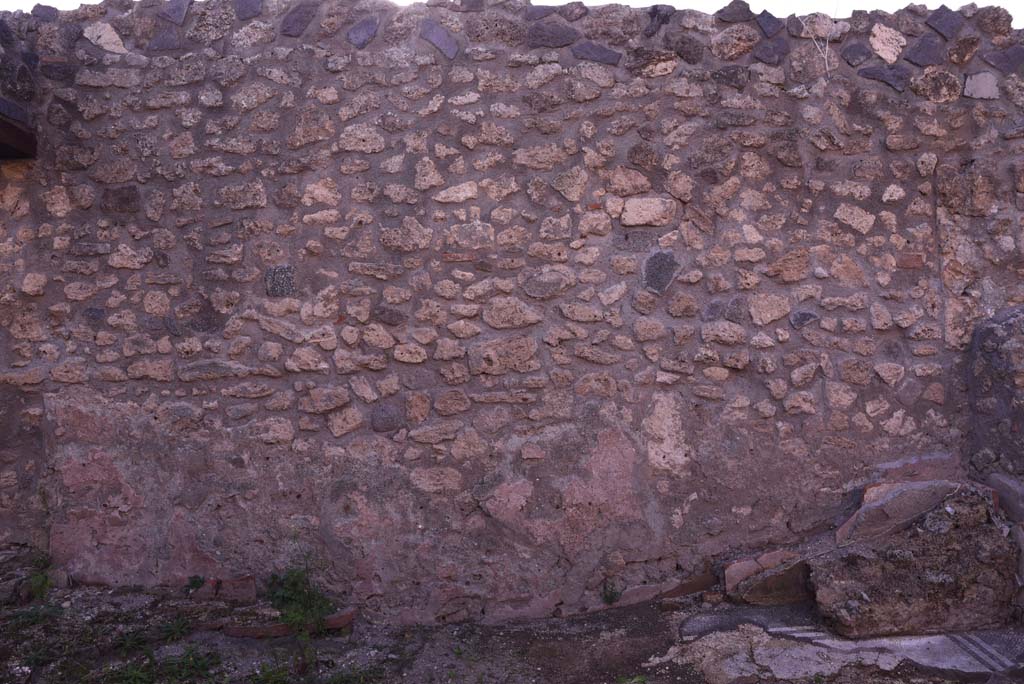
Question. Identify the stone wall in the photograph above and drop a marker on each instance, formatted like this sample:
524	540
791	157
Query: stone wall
487	310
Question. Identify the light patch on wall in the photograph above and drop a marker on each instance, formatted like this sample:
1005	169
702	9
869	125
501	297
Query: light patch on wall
835	8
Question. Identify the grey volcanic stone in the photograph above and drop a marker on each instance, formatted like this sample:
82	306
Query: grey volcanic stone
927	51
166	38
175	11
538	12
387	417
659	271
772	51
13	111
438	36
982	86
659	14
551	34
946	21
248	9
469	6
389	315
769	23
856	54
593	52
296	21
279	281
45	13
59	71
686	46
734	75
363	32
1008	60
573	11
895	76
735	12
799	319
121	200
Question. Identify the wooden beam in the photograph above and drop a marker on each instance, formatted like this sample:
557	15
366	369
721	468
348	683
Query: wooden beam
17	139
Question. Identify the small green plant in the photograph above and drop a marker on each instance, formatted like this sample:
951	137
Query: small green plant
33	615
40	655
39	582
131	641
191	667
303	606
271	674
195	583
132	673
357	676
635	679
610	593
175	629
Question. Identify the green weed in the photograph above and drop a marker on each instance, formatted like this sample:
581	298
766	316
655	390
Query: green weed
175	629
609	592
39	582
303	606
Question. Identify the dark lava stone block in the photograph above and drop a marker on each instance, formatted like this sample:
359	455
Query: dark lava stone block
7	38
735	12
1008	60
389	315
59	71
387	417
551	34
659	14
94	314
13	111
896	76
469	6
121	200
593	52
927	51
772	51
248	9
769	23
856	54
689	49
296	21
175	11
165	39
573	11
799	319
438	36
537	12
659	271
279	281
946	21
363	32
45	13
733	75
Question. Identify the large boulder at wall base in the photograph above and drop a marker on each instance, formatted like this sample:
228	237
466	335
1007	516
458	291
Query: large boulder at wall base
953	569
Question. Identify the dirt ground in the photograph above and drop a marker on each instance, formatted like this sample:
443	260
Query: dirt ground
102	636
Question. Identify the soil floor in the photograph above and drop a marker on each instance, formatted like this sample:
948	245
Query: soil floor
103	636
